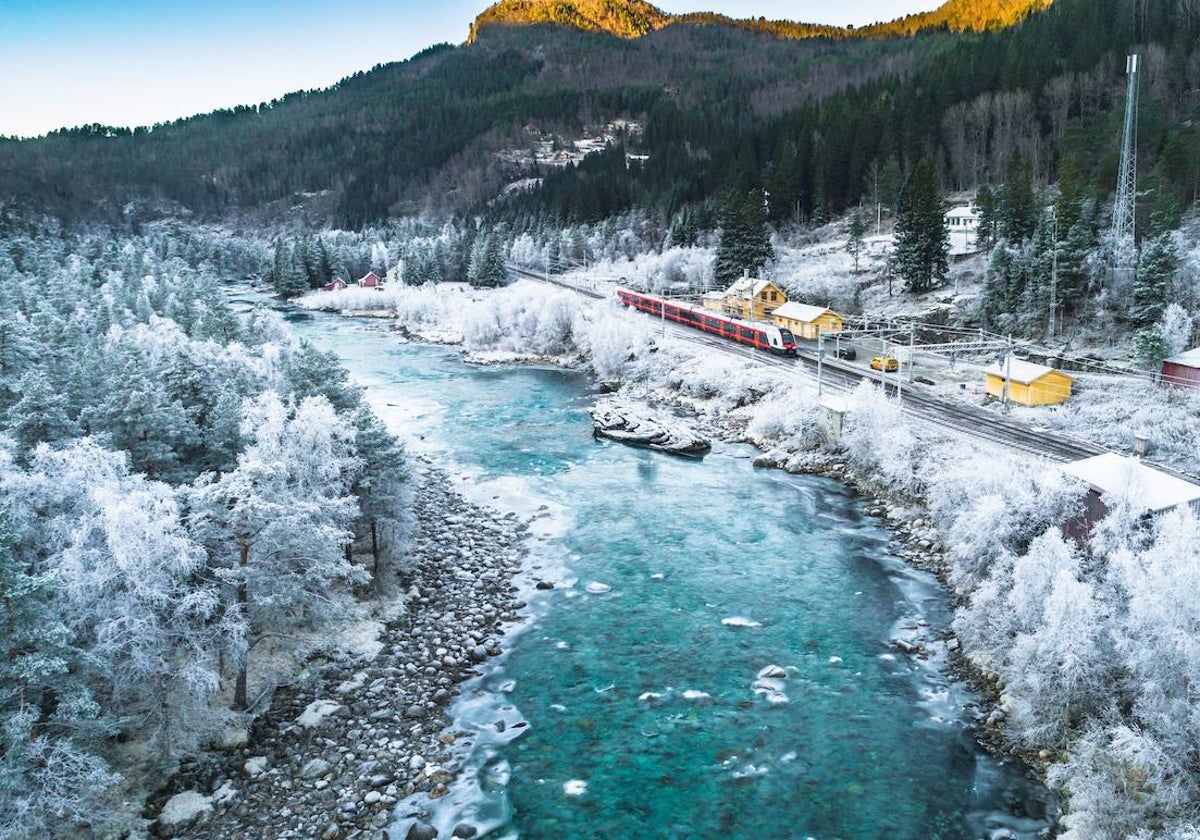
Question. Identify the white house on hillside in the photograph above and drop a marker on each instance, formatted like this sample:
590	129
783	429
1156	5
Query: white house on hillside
963	226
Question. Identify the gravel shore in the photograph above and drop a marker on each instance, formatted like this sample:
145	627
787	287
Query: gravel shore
339	748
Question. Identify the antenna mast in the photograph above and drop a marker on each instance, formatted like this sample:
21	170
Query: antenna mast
1124	249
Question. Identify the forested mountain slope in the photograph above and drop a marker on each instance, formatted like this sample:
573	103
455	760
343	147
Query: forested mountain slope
818	123
635	18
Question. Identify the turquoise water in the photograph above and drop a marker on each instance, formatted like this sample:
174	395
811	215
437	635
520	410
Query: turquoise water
632	704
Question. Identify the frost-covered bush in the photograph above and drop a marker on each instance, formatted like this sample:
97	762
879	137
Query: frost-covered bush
1110	411
788	417
615	342
522	318
879	441
992	506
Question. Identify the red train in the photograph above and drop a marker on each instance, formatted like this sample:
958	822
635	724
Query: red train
778	340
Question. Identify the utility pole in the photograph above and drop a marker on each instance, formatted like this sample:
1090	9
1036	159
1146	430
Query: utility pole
912	346
1053	274
820	356
1008	368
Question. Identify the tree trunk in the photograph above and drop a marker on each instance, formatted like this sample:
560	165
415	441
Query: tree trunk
239	690
375	556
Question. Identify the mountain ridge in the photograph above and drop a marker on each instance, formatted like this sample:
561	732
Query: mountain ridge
637	18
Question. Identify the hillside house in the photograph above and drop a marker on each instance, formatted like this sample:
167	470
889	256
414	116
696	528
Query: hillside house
1027	383
962	224
1183	370
1111	478
806	320
334	285
370	280
749	299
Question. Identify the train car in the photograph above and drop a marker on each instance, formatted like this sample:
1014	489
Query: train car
777	340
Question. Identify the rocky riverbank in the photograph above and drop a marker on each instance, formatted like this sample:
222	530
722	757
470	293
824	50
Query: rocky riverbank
351	737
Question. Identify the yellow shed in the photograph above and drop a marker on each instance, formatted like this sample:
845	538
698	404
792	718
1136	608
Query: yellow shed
807	321
1028	384
752	299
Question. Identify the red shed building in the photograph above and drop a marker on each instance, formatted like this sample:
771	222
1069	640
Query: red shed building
1183	369
334	285
370	281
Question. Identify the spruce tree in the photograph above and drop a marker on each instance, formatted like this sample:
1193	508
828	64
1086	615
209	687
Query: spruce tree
1018	204
922	241
1151	287
745	243
856	229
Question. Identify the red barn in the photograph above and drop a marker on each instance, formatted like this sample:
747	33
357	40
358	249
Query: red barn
335	285
1183	370
370	281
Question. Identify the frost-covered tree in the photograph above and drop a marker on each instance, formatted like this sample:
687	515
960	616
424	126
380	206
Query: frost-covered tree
1155	274
47	777
275	526
1175	327
383	490
132	589
40	415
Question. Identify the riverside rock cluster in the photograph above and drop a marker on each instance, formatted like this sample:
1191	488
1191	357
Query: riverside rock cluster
339	748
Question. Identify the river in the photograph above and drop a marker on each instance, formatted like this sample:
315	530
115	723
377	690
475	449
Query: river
634	703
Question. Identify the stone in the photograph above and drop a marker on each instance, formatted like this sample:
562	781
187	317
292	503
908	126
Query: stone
332	832
255	766
421	831
441	697
233	737
415	711
544	584
315	768
465	830
316	712
372	797
182	810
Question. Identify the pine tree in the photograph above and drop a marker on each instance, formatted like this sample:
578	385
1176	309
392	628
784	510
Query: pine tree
855	232
922	241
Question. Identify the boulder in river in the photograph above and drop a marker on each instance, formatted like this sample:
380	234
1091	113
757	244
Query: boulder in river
637	425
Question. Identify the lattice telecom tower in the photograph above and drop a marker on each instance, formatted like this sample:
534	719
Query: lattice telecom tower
1124	249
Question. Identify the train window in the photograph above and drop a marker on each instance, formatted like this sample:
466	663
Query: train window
786	335
730	328
712	323
748	333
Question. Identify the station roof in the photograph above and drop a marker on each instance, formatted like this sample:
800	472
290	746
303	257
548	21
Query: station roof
1154	490
801	311
1019	370
751	285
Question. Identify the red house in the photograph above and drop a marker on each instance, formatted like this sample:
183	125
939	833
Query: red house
1183	370
334	285
370	281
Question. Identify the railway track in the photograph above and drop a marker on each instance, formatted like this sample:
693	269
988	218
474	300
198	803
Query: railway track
960	418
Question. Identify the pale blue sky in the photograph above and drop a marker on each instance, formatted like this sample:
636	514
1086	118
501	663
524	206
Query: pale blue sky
138	62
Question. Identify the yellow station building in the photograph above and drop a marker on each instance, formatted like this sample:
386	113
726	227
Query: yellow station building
1028	383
